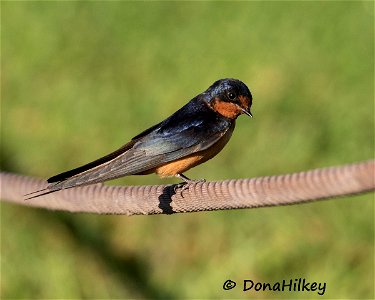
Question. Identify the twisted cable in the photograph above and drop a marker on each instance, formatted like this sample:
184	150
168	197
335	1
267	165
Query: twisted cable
203	196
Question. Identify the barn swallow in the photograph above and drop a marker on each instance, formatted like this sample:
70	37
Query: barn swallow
192	135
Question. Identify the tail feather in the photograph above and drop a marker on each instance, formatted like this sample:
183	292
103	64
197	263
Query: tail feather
68	174
84	175
38	193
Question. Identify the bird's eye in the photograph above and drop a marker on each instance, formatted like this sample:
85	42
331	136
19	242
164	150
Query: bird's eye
231	96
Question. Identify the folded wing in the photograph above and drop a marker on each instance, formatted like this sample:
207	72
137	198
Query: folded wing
176	137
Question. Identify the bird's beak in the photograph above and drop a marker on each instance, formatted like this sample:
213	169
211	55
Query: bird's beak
247	112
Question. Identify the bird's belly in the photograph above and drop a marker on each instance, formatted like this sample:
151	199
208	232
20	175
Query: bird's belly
183	164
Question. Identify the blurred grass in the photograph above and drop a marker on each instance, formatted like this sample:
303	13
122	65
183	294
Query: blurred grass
81	78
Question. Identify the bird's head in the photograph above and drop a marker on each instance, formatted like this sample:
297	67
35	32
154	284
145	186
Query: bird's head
229	97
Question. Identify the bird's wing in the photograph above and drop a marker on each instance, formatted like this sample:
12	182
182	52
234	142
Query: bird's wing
193	128
158	147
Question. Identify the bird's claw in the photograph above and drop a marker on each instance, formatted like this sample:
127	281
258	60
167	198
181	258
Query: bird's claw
185	185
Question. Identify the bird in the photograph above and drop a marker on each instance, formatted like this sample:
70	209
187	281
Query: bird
192	135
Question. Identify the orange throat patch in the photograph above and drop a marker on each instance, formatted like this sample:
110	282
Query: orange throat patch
226	109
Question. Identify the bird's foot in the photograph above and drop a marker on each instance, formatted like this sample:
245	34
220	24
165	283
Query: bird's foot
186	184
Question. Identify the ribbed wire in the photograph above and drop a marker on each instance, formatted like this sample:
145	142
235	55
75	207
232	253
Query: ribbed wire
202	196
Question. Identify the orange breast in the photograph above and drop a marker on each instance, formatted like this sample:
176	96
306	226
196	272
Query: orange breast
183	164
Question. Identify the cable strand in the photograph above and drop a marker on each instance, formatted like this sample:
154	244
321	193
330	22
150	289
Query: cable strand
285	189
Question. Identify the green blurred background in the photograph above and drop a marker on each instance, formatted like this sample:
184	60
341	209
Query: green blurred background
79	79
